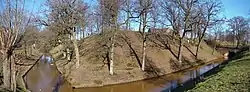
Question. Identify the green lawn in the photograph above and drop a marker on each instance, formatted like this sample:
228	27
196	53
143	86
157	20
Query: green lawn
234	77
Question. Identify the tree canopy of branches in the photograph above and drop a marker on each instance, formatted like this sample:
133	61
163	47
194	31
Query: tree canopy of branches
13	21
63	18
209	11
109	14
239	26
191	16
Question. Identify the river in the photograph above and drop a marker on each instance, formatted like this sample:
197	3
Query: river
44	77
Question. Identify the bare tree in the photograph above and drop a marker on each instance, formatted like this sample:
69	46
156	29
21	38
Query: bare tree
179	16
64	17
13	22
171	11
155	14
239	26
110	9
126	6
185	6
144	7
217	32
30	39
209	11
95	18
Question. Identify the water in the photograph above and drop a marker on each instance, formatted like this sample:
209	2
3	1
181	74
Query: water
44	77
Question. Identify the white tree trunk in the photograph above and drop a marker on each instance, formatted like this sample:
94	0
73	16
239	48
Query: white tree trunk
144	41
76	49
111	72
144	54
68	54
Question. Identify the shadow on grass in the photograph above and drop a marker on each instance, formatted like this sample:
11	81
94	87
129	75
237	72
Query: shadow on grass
151	70
176	66
132	50
162	41
189	50
154	73
107	59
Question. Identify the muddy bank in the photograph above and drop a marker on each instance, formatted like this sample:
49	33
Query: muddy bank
160	59
101	78
25	65
45	77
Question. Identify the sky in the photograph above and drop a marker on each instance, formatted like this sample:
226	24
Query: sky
233	8
230	8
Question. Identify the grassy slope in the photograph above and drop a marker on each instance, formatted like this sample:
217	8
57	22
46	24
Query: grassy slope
234	77
128	53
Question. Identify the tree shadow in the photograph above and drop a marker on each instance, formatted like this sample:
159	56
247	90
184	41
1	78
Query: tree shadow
189	50
132	50
154	74
186	63
98	50
107	59
162	43
174	64
151	69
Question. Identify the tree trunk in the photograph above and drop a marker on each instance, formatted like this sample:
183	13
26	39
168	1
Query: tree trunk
180	50
102	27
238	43
97	26
31	50
128	15
214	49
198	48
76	49
144	52
9	73
111	63
6	72
140	24
127	22
144	41
111	72
83	34
13	74
25	49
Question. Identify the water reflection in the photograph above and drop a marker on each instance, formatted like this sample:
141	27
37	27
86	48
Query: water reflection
166	83
44	77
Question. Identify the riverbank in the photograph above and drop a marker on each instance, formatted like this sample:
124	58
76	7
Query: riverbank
23	65
233	77
160	59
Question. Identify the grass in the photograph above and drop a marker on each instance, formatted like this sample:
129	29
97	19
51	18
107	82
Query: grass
234	77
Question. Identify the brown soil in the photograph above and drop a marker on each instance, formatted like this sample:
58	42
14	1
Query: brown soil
23	65
160	59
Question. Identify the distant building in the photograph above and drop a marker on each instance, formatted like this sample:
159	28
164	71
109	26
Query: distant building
167	30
